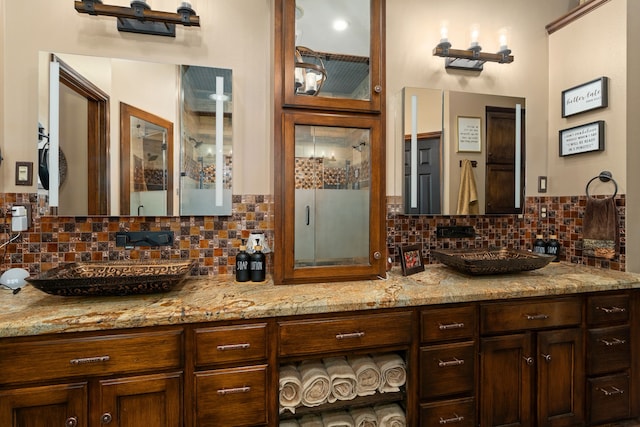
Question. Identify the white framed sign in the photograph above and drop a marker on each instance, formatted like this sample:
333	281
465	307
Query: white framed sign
585	97
469	134
582	139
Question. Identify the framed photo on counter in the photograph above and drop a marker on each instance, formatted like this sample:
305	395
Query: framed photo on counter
411	259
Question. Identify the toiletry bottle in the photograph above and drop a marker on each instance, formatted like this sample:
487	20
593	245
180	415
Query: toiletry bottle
242	265
553	247
539	246
257	265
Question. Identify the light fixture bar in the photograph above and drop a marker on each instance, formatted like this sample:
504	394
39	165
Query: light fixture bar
142	19
470	59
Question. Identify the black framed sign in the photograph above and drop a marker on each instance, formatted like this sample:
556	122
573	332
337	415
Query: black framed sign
585	97
582	139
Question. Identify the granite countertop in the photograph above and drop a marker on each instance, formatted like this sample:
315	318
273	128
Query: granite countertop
32	312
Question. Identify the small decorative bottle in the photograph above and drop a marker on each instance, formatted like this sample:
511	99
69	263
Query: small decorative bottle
553	247
257	265
242	265
539	245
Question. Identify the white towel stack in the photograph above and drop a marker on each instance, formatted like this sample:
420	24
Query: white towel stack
316	384
390	415
367	375
343	379
364	417
337	419
290	388
393	372
311	420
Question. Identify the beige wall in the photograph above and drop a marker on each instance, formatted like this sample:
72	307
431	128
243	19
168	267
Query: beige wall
233	34
591	47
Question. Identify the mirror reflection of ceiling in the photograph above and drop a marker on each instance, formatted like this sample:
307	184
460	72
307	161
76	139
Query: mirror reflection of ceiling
201	81
345	53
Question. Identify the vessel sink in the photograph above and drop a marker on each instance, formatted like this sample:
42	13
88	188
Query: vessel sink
491	261
107	278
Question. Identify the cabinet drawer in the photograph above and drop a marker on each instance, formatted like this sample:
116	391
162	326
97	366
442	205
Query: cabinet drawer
607	308
107	354
459	412
442	324
502	317
608	349
608	398
447	369
302	337
237	394
228	344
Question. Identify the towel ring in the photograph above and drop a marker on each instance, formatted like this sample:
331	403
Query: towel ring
604	176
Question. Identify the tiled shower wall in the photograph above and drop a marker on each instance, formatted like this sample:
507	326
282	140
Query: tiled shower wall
214	241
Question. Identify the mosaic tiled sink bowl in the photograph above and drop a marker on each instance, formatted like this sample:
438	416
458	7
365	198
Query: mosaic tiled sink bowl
491	261
110	278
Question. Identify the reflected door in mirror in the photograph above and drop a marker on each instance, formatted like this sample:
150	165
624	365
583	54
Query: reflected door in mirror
146	179
427	176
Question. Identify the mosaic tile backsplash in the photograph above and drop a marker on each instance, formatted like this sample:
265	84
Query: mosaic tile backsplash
214	241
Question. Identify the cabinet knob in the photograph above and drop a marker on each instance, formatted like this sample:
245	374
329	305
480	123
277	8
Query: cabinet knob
377	88
377	255
546	357
71	422
106	418
529	360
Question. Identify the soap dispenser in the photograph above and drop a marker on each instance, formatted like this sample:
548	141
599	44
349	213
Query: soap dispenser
257	264
242	264
539	246
553	247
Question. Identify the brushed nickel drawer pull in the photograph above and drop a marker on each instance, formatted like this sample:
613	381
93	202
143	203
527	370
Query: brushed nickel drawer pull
237	390
351	335
449	363
71	422
536	316
228	347
612	310
457	325
89	360
614	391
612	341
456	419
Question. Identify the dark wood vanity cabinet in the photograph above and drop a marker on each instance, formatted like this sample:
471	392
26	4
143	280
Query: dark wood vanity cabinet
448	365
531	363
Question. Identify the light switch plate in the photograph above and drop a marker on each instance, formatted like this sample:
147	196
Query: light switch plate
542	184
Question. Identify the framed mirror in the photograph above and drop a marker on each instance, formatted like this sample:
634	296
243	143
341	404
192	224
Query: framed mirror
92	129
463	153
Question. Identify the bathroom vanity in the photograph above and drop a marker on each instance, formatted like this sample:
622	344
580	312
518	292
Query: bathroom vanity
550	347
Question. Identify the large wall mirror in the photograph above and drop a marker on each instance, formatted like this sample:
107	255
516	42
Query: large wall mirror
463	153
174	135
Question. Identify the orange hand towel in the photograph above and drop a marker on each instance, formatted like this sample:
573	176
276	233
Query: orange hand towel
468	193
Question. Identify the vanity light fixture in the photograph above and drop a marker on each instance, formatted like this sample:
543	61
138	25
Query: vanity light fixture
472	58
310	72
140	18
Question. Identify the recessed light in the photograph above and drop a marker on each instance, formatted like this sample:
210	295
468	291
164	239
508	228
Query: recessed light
340	25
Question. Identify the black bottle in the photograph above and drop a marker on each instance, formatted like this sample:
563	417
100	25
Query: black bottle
242	265
553	247
539	246
257	265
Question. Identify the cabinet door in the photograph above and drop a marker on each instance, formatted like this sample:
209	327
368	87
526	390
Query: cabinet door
47	406
506	372
561	378
151	400
333	207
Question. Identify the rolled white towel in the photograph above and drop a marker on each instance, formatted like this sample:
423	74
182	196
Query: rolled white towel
311	420
364	417
367	375
390	415
290	388
343	379
392	371
316	384
337	419
289	423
